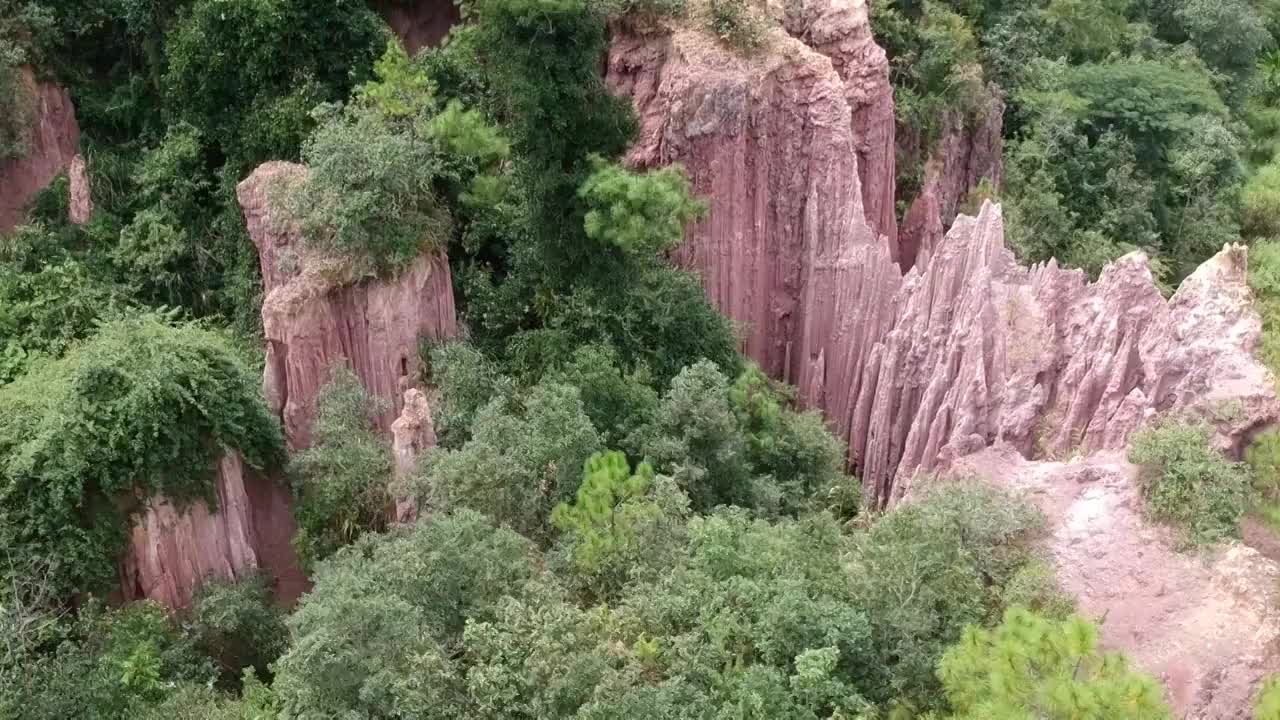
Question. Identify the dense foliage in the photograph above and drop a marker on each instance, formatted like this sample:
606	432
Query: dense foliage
144	408
1128	124
623	518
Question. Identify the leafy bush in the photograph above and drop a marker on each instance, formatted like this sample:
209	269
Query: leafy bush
235	623
736	24
525	455
1264	280
379	635
1048	669
143	408
1260	202
639	213
1268	703
970	540
1189	484
340	482
110	664
15	125
467	381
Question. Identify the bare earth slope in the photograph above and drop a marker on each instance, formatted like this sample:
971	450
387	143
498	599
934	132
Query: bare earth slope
1207	625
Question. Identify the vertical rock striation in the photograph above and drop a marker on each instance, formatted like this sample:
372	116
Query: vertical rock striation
984	351
171	551
768	142
52	145
841	30
313	322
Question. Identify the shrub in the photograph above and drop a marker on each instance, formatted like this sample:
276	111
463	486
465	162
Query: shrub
468	381
525	455
970	539
1189	484
1033	667
369	193
380	634
1260	202
736	23
143	408
235	623
340	482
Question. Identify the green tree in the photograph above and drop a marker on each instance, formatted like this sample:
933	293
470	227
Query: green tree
639	213
236	624
340	481
380	634
525	455
1046	669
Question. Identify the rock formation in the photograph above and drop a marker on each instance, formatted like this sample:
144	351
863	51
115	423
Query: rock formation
967	153
841	30
1207	627
768	142
419	23
412	433
51	146
313	321
171	551
984	350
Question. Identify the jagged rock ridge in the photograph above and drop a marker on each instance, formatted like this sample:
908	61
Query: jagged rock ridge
985	350
313	322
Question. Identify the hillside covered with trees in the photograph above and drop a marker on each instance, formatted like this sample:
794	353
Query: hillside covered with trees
620	515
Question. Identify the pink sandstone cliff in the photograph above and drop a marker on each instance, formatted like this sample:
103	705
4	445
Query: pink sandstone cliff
771	142
841	30
419	23
171	552
313	323
768	142
984	350
52	146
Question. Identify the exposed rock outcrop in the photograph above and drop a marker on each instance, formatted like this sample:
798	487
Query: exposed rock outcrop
968	152
313	321
171	551
841	30
51	145
984	350
412	434
768	142
1207	627
419	23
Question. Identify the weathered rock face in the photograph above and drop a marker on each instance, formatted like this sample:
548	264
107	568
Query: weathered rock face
769	143
52	144
171	552
419	23
1206	626
313	322
412	434
966	154
984	350
841	30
